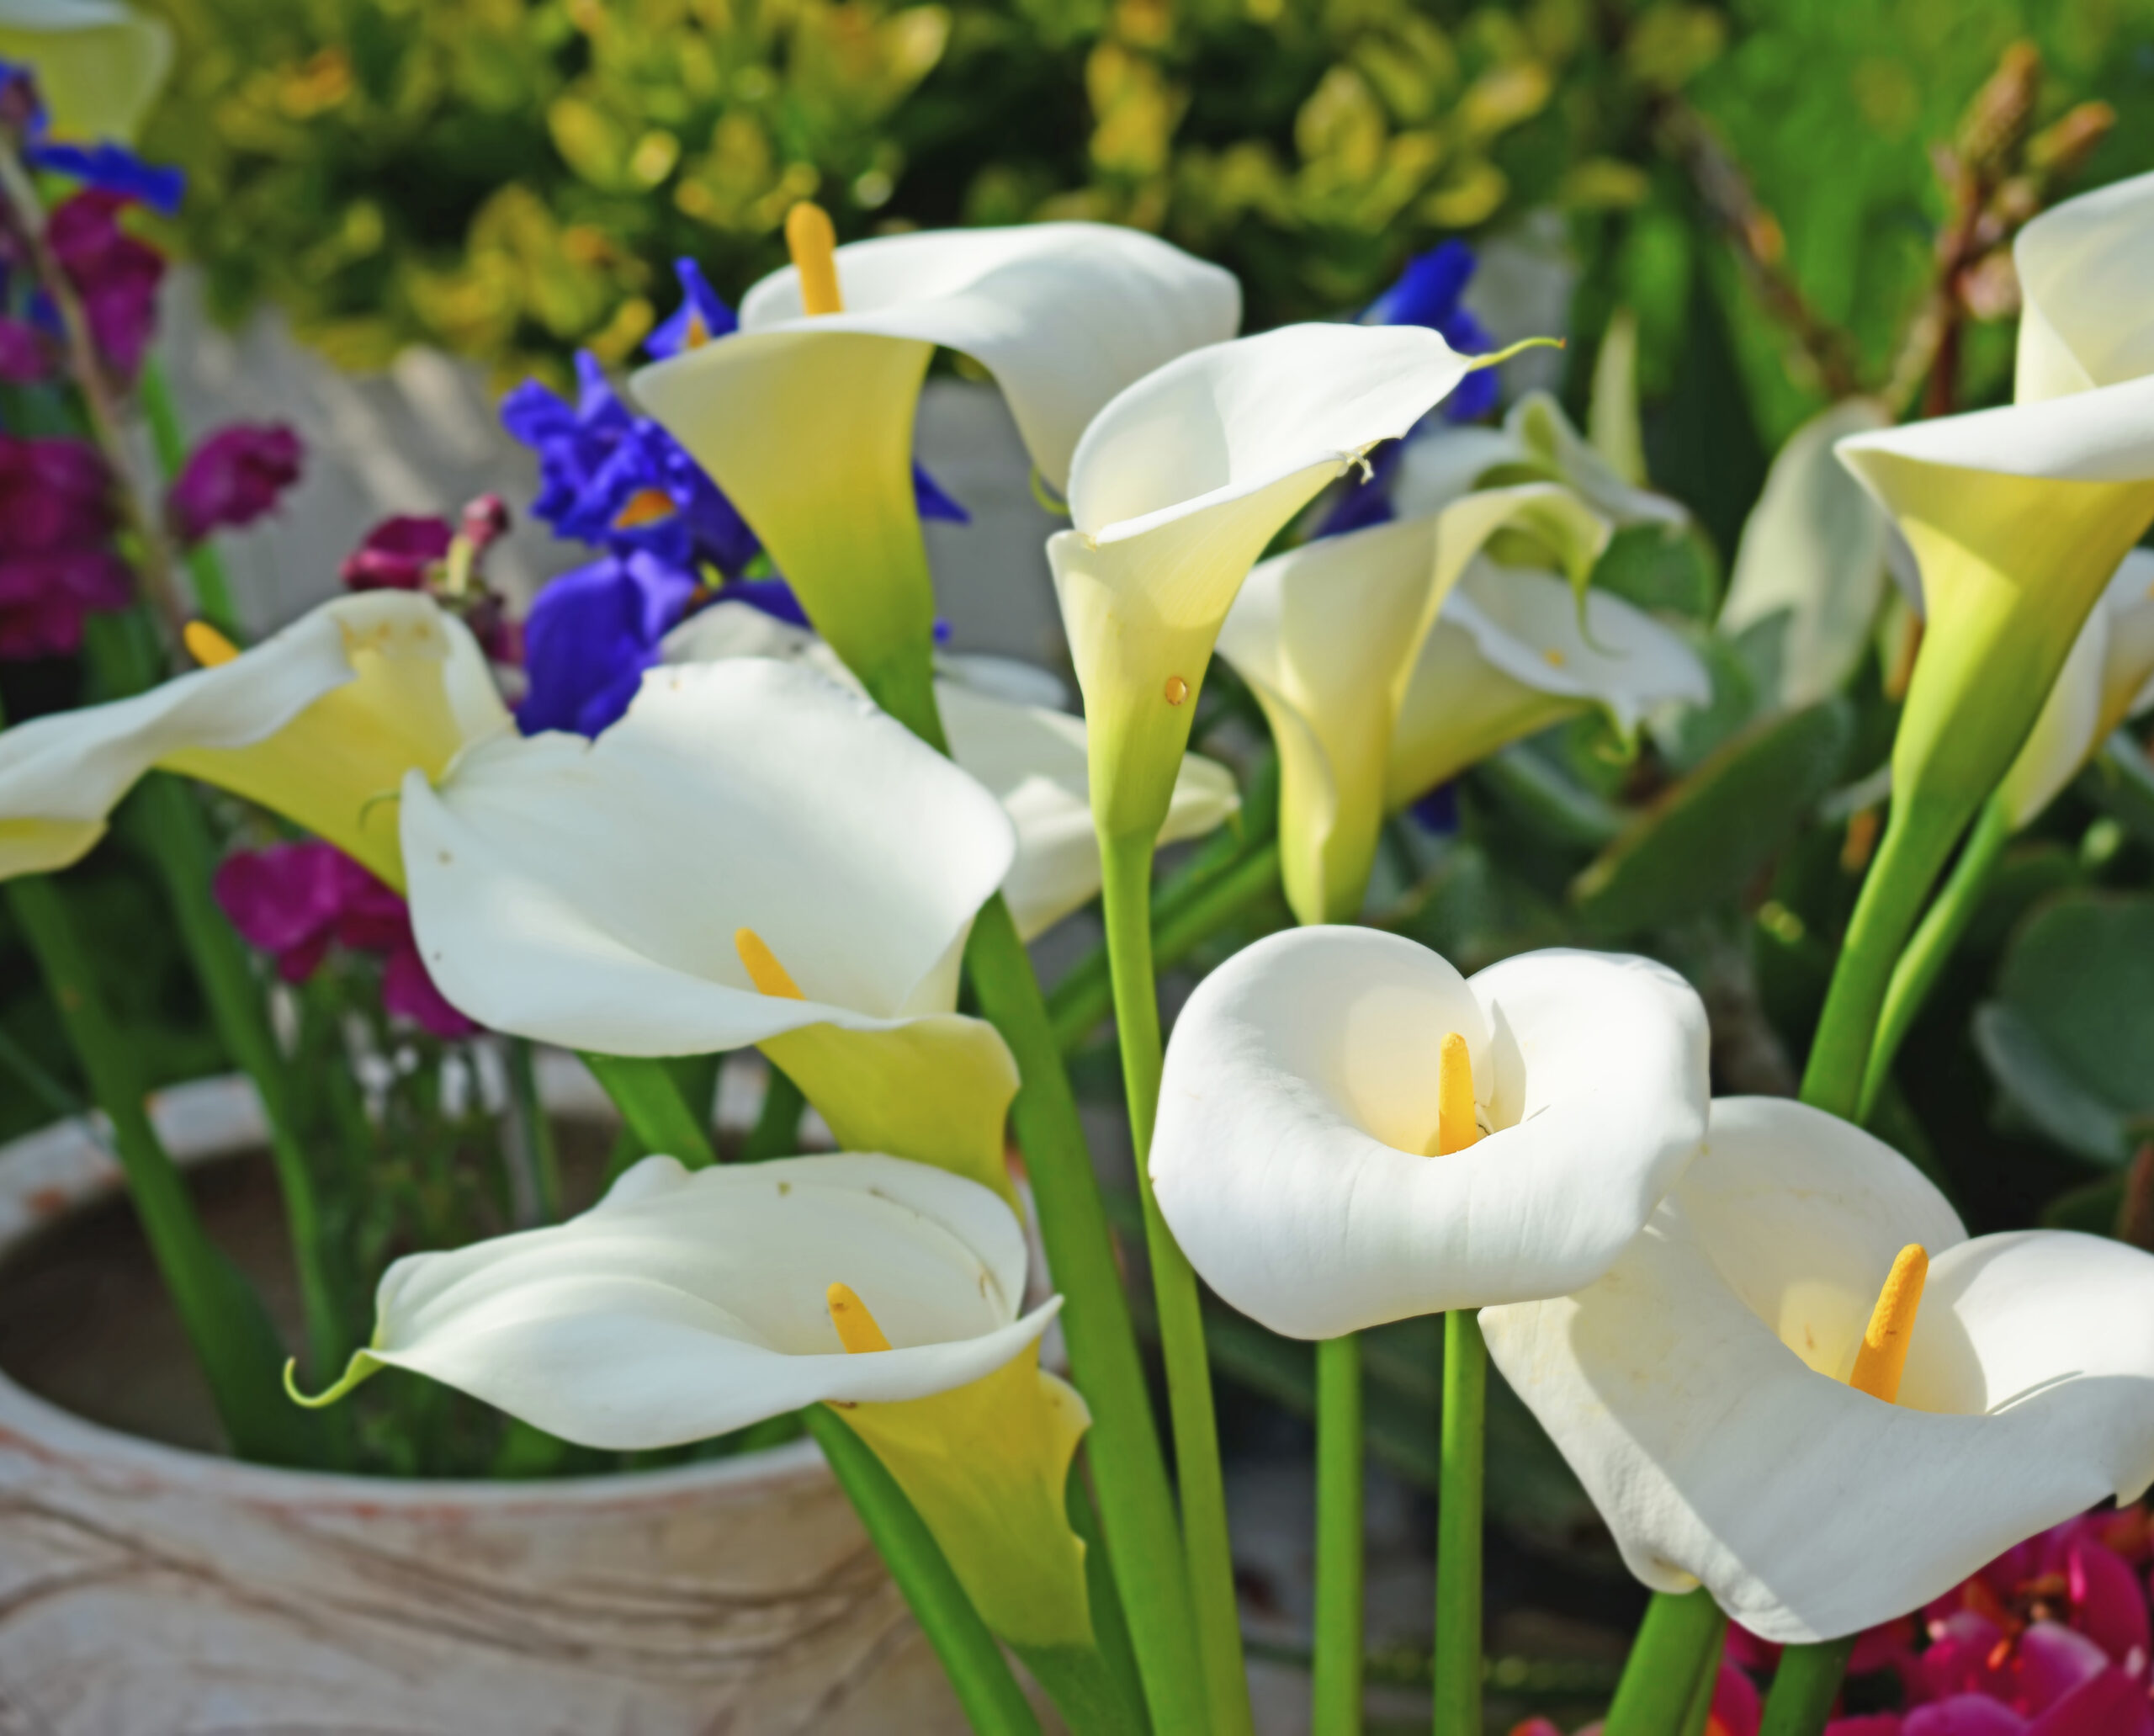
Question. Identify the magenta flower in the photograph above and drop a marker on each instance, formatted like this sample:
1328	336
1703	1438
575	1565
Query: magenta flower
56	559
296	900
397	555
115	275
25	352
231	478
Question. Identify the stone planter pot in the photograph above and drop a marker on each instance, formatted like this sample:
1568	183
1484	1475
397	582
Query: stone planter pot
146	1591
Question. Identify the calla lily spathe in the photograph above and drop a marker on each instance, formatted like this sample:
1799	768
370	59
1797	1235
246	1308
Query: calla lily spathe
1175	489
99	64
685	1305
2108	677
1302	1086
2019	516
1508	657
321	723
1536	444
1327	635
595	894
1005	728
806	420
1699	1389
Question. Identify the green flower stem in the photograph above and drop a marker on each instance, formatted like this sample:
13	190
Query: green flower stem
1336	1675
993	1701
776	1131
1701	1695
1804	1688
533	1131
205	572
1460	1481
1917	838
1083	998
651	1101
1927	954
226	1324
1126	866
1110	1622
1128	1474
1677	1643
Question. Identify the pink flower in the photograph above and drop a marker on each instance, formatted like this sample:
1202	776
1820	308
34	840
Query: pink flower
115	275
396	555
25	354
294	900
232	478
56	559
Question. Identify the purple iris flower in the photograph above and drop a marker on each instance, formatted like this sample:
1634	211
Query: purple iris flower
702	315
591	635
105	165
1426	294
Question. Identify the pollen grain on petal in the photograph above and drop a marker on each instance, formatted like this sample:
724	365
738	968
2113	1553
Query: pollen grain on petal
855	1327
1883	1357
813	243
1457	1124
206	645
764	971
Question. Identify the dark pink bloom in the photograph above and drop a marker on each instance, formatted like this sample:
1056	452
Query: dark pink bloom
44	595
485	522
232	479
2029	1672
294	900
115	274
1963	1715
25	355
2110	1704
56	559
1736	1708
396	555
1873	1723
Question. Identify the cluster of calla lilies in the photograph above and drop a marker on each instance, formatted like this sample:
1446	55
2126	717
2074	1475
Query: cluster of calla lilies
1798	1394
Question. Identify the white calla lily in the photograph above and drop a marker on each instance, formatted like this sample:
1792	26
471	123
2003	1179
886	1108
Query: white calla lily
685	1305
99	64
1698	1388
1029	754
321	722
1302	1087
1537	443
1175	489
751	854
1507	657
2108	677
805	420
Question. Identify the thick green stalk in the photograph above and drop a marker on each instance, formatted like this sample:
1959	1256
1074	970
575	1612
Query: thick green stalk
986	1689
534	1130
1336	1678
1084	997
1128	1473
1701	1695
652	1102
1460	1478
226	1324
1110	1622
205	572
1127	871
1942	926
1804	1688
1917	839
776	1131
1677	1643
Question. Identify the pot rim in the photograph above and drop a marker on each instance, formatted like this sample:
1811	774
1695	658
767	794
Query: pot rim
67	1164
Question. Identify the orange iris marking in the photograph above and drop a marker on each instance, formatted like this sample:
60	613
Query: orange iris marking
646	506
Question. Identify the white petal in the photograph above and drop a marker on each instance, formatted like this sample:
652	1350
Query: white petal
2102	435
683	1305
1715	1448
1507	657
1301	1083
1063	315
1033	762
1813	553
587	893
1438	467
2083	268
1538	424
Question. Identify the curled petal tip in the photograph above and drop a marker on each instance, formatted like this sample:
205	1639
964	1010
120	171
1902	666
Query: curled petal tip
362	1367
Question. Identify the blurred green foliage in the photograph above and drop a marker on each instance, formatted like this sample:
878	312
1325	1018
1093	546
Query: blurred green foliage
512	179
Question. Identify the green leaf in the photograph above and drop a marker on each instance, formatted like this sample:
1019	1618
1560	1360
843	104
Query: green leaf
1660	569
1705	840
2069	1038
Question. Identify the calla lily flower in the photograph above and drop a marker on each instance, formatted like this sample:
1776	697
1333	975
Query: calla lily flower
320	723
1175	489
1508	657
1005	729
1700	1391
804	416
685	1305
1537	443
99	64
2019	516
1306	1077
2108	677
752	854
